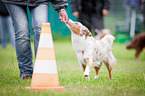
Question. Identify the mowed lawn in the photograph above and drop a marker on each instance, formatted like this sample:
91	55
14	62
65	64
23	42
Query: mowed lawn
128	75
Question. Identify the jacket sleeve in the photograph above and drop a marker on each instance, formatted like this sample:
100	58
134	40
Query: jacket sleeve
106	4
74	6
59	4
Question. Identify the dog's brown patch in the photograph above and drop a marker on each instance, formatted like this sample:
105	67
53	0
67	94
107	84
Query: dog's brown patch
86	32
82	52
75	28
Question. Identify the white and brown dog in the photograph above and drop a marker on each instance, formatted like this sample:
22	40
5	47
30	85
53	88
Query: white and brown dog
91	52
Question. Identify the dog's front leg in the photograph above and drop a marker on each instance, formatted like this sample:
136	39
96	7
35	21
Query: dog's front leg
138	50
87	70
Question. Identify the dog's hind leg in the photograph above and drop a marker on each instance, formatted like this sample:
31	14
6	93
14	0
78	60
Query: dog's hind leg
109	68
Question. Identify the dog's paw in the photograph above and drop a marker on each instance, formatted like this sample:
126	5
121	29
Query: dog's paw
86	74
96	77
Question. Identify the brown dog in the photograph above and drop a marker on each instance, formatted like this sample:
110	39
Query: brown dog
138	43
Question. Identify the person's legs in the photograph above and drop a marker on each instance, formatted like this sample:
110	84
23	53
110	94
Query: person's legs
39	15
143	11
11	31
97	22
4	31
22	39
85	19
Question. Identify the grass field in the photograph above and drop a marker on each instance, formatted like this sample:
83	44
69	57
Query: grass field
128	75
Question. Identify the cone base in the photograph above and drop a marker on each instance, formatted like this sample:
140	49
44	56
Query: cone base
60	88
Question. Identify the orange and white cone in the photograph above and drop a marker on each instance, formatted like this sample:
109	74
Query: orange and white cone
45	74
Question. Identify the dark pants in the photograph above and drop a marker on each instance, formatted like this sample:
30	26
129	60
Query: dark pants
91	21
143	11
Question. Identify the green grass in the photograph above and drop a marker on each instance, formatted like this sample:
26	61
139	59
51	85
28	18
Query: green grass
128	75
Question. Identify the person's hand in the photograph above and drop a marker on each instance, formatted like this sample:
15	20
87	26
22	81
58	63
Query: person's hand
105	12
76	14
63	17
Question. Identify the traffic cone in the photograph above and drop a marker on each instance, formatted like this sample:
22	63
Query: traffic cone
45	74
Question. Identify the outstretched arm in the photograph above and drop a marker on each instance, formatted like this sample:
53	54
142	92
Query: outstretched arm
60	6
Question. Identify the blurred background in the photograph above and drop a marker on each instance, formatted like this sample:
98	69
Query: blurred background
118	21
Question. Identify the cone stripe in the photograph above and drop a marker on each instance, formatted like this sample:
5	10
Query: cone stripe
45	54
44	80
46	37
46	28
45	67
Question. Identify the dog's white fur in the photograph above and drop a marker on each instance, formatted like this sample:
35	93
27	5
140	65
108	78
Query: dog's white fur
95	51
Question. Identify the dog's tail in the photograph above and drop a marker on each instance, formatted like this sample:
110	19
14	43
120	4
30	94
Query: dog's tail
108	39
113	60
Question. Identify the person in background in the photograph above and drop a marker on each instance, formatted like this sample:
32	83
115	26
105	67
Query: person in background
132	5
90	12
39	15
6	27
142	6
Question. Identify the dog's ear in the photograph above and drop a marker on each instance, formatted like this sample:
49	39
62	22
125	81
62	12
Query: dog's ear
87	32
